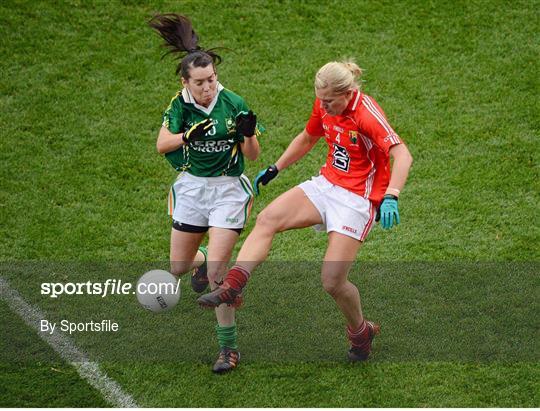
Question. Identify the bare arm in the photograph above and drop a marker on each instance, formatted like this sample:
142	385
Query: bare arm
298	148
400	169
250	148
168	141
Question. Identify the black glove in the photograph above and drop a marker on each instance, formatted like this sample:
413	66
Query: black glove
246	123
197	131
264	177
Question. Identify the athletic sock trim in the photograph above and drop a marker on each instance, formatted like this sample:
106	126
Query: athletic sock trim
227	336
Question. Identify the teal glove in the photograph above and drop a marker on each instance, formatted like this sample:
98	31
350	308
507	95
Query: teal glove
388	211
264	177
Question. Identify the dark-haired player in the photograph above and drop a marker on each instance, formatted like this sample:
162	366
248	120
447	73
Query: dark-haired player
206	132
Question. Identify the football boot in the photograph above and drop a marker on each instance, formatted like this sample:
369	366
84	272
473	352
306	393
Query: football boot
221	295
361	352
227	360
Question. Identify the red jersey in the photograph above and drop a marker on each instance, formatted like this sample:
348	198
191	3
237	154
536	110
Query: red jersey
358	142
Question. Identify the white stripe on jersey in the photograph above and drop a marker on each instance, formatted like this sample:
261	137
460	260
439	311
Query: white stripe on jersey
371	174
356	101
378	115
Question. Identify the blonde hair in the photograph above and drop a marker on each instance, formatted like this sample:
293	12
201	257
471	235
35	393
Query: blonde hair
340	76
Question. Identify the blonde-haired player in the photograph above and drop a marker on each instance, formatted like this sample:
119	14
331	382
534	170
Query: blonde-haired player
354	183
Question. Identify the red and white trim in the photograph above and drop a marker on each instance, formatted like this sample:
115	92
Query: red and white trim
356	100
377	114
371	175
369	223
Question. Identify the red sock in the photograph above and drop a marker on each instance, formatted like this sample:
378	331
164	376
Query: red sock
360	337
237	277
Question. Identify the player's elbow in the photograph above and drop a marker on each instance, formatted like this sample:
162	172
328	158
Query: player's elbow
159	147
402	154
252	156
306	139
167	141
251	150
407	158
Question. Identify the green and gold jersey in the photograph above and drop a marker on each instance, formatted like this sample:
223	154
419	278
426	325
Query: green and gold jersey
218	153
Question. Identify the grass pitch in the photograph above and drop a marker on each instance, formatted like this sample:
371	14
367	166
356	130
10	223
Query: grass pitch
82	91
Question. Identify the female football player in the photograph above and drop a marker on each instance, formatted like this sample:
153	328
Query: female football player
206	132
354	183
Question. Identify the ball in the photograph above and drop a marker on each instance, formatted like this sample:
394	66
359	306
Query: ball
158	291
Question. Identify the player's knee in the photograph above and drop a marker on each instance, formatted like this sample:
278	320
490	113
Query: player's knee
331	285
267	220
179	267
331	288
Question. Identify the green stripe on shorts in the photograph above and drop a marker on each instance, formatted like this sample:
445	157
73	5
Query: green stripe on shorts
249	192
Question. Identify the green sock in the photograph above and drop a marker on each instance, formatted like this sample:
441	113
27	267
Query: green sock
227	336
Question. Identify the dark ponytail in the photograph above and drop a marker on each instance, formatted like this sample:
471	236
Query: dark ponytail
181	39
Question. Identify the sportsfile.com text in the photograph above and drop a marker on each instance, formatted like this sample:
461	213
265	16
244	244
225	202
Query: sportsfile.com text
109	287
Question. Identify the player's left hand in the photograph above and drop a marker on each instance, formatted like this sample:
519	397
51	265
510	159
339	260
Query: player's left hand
264	177
246	123
388	211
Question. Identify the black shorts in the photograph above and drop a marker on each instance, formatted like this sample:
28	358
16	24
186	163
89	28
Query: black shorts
188	228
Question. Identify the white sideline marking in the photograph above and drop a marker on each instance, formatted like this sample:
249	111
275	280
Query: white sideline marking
66	348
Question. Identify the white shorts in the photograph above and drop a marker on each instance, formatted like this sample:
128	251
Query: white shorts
223	202
341	210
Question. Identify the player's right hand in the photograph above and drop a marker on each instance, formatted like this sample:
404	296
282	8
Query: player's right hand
197	131
246	123
264	177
